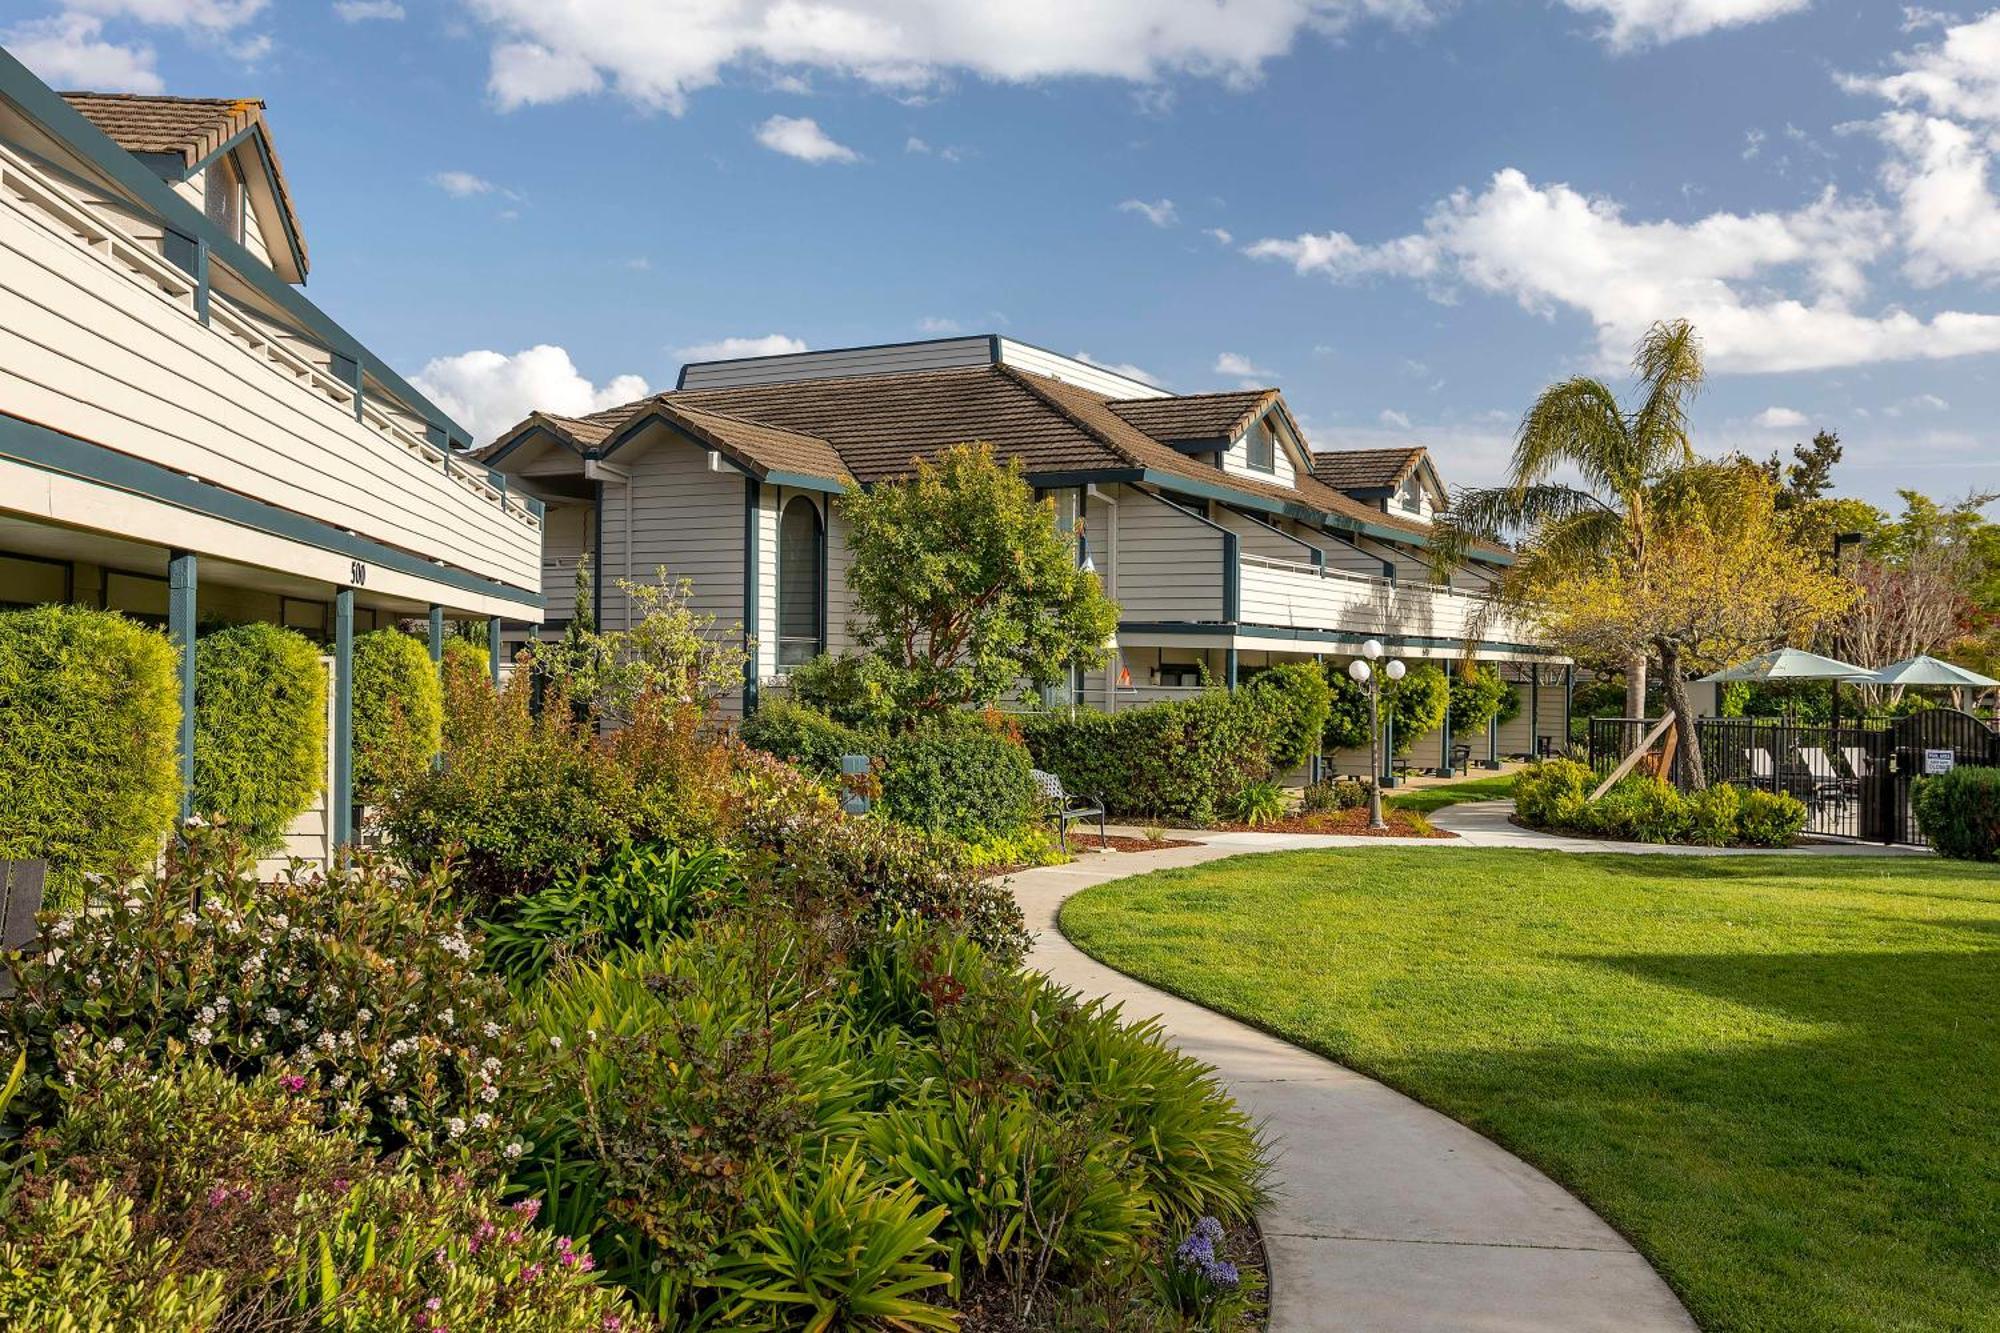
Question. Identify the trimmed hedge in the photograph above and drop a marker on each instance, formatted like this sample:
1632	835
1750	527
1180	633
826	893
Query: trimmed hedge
1959	812
1416	704
89	731
1554	795
1299	701
968	785
1181	760
259	729
398	710
805	736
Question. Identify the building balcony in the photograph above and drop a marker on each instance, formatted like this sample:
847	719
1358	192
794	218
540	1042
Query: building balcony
102	338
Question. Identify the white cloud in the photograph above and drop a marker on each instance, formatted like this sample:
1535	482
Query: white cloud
211	15
1942	138
1767	291
461	184
1160	212
528	74
362	11
1221	235
488	392
69	51
657	55
729	349
1125	368
801	137
1781	418
1393	419
1635	23
1241	367
1753	144
939	327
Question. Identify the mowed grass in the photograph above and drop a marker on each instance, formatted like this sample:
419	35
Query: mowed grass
1423	800
1780	1076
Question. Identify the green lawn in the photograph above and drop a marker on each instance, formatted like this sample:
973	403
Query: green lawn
1780	1076
1423	800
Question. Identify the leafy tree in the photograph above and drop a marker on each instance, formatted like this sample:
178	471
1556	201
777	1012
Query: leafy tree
671	652
1618	456
965	586
1930	582
1415	706
1477	696
1711	580
1810	475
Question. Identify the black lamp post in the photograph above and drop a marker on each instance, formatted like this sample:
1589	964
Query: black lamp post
1362	670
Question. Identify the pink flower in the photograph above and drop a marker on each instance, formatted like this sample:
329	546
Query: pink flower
218	1196
531	1272
528	1208
293	1083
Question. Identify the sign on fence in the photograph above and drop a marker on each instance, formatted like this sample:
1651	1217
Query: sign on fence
1939	761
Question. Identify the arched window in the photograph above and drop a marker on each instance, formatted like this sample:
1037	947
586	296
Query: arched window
801	612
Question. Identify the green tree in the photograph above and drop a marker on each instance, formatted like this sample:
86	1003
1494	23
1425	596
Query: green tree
965	587
1618	456
1809	476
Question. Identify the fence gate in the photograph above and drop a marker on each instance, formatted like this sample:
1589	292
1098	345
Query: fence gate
1854	780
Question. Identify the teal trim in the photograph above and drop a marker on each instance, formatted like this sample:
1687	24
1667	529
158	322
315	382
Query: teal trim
752	494
1229	667
1569	700
493	650
52	451
437	635
1444	746
341	798
801	481
181	579
1232	577
188	173
1332	636
64	122
597	555
1534	708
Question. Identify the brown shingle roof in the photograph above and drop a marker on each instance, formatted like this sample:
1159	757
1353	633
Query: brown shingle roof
1195	416
1357	469
188	127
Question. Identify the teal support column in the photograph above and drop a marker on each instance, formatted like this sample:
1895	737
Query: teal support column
181	578
493	646
1569	699
752	494
1534	710
1444	747
1493	741
341	798
1388	774
437	636
1229	667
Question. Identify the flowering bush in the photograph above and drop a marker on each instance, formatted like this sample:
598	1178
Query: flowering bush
362	981
69	1261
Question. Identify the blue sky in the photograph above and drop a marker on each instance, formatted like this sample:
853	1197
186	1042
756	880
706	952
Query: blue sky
1410	214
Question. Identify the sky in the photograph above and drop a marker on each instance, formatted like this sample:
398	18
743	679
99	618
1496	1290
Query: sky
1410	215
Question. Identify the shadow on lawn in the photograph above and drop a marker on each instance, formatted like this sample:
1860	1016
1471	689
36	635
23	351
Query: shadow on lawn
1845	1180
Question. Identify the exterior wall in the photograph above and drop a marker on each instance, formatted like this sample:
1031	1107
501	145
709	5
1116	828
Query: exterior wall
685	519
1515	737
99	339
1254	538
765	631
839	606
1237	460
566	533
1169	563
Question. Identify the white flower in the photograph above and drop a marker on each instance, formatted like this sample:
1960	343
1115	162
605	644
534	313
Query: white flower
448	1017
513	1150
117	1045
482	1121
206	1013
488	1093
273	1017
201	1036
454	1127
339	1081
363	1015
399	1103
61	927
52	957
134	904
555	1042
492	1029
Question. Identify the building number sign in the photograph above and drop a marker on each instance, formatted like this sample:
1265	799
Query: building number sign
357	573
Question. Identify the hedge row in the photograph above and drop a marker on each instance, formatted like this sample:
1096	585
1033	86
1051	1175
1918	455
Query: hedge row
1959	812
1554	794
259	729
1183	760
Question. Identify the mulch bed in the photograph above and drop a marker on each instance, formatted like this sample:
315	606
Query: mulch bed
1120	842
1353	823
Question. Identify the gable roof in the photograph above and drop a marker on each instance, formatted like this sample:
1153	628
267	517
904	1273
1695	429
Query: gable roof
193	129
1196	416
1367	469
871	428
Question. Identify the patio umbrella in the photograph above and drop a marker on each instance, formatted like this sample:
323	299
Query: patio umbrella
1795	664
1925	670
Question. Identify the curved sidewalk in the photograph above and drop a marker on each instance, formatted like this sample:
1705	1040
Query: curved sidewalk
1389	1218
1490	824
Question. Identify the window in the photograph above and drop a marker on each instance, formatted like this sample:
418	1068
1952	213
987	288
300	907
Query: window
801	613
222	200
1262	448
1411	497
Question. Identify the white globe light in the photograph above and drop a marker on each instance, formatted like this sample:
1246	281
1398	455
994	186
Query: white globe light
1372	649
1395	669
1359	670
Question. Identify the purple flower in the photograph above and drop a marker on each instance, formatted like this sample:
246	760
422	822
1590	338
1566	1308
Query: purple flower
293	1083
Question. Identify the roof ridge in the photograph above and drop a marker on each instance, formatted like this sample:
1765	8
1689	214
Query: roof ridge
867	377
1033	384
1178	397
164	97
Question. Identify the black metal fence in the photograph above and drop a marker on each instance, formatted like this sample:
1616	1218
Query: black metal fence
1854	780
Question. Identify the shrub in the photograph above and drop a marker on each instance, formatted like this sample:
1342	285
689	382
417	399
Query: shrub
1770	819
1258	804
1299	702
259	729
1959	812
1640	809
1182	760
855	690
963	784
1415	705
361	978
1333	794
1715	815
70	1262
523	798
641	896
1477	697
89	767
1550	793
805	736
398	711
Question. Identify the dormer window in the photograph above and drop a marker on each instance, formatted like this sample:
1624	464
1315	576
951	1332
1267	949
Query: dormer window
222	197
1410	497
1261	448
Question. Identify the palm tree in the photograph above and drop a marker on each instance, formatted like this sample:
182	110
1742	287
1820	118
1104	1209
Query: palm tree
1620	458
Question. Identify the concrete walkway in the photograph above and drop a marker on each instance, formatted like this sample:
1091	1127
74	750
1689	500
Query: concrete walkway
1389	1217
1490	824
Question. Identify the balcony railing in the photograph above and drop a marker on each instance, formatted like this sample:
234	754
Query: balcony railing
1296	594
105	341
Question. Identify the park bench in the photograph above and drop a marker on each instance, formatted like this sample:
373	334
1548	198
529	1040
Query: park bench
1063	807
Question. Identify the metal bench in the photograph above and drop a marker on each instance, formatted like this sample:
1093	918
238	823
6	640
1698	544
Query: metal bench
21	884
1065	807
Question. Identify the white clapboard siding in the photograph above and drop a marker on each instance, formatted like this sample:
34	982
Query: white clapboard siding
1515	738
839	604
687	521
97	340
1254	538
565	541
765	631
1169	563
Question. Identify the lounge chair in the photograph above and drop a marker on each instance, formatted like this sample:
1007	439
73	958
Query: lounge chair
1857	760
